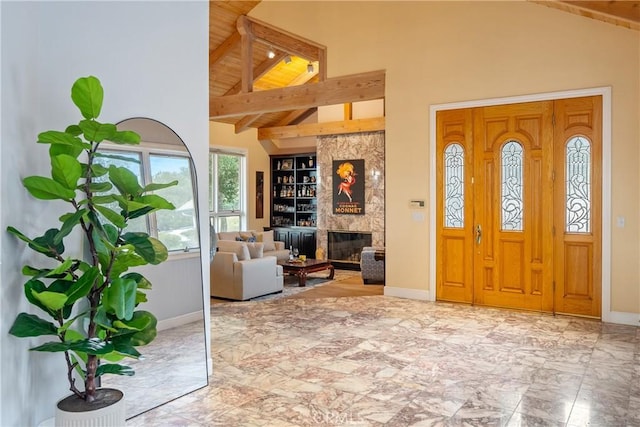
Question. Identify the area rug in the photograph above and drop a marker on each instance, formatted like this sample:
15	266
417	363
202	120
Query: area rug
313	280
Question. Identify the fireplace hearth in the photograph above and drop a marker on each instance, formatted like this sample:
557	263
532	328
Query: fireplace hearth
344	248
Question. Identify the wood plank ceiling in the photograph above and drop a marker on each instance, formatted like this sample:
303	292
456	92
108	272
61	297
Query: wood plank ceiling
251	88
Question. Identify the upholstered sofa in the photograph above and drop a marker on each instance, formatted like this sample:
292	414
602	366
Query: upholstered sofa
241	271
271	247
372	264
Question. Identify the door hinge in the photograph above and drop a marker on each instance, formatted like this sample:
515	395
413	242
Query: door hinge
473	180
553	176
553	119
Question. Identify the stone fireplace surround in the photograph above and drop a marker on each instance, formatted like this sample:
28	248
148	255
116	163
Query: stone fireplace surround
370	147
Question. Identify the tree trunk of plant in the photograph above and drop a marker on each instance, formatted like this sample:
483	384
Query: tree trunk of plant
90	380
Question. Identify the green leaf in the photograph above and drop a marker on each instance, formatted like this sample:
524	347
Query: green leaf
48	242
103	200
115	218
96	131
30	325
140	280
97	170
156	186
27	270
33	245
123	346
140	297
126	137
87	94
149	333
62	268
151	249
44	188
111	233
156	202
66	170
58	149
102	319
73	130
125	181
139	212
82	286
100	187
52	300
124	260
70	221
112	357
37	286
114	368
119	298
62	138
138	323
92	346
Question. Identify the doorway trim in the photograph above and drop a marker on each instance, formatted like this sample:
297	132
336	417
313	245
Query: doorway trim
605	92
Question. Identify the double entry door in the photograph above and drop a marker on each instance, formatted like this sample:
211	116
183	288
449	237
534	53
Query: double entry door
519	206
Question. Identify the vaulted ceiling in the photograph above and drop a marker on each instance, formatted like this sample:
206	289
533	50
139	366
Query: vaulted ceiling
248	59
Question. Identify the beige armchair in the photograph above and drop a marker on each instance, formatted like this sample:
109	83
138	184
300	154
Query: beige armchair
242	279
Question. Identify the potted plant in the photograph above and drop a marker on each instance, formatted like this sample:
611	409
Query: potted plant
91	301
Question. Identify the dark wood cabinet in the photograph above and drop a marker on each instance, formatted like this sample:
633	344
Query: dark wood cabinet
294	203
302	238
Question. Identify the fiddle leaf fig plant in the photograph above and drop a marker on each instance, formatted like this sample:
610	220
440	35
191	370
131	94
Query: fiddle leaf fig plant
89	304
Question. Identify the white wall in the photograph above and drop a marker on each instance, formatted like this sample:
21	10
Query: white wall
152	60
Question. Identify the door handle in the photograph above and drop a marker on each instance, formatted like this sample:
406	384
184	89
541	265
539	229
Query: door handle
478	234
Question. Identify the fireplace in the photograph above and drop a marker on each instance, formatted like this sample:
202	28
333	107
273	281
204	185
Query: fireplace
344	247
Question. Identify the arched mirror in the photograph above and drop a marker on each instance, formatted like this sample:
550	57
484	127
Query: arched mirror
174	364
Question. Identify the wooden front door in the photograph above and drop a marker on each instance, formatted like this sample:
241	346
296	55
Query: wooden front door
505	204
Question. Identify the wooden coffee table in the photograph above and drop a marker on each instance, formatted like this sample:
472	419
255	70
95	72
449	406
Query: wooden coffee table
302	268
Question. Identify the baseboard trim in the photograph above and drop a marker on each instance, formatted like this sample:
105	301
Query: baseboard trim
418	294
623	318
174	322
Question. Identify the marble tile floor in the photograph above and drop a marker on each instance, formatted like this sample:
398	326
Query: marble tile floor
383	361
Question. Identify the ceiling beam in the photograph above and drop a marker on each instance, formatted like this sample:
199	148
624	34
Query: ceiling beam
337	90
246	55
244	123
289	42
316	129
584	10
218	53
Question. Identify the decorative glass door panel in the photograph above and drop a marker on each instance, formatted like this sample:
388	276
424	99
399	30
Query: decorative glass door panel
512	202
578	206
454	274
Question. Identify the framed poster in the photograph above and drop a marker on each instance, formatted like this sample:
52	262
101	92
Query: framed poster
348	187
259	194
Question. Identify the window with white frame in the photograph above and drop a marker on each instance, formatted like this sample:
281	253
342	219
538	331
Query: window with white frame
177	228
227	195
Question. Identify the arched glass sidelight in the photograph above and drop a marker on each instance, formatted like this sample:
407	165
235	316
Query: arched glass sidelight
512	157
454	186
578	185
